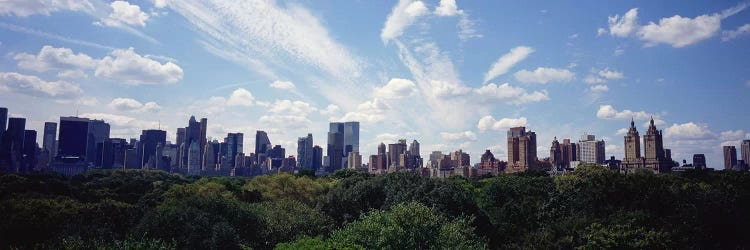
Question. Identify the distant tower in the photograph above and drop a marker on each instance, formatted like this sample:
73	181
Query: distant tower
194	159
655	158
555	154
49	138
745	151
632	158
730	157
521	149
209	159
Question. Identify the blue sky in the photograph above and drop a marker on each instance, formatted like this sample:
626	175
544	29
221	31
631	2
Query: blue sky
451	74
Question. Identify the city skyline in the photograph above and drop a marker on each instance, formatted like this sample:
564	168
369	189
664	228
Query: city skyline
452	75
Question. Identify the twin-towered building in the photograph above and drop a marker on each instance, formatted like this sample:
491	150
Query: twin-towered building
656	158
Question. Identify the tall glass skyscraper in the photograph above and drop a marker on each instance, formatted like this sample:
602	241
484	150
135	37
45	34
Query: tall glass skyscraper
3	121
50	135
305	152
343	137
234	147
73	137
147	152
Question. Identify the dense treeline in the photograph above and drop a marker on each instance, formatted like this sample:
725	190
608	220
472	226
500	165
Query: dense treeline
593	208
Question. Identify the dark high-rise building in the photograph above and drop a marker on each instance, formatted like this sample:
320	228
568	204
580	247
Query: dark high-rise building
150	139
3	121
30	149
113	153
346	135
276	156
381	149
192	134
73	137
745	151
730	157
98	132
335	151
394	153
699	161
521	149
262	145
234	147
49	139
180	136
305	152
202	137
653	150
317	157
11	152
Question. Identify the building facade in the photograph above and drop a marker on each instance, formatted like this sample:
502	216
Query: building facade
521	150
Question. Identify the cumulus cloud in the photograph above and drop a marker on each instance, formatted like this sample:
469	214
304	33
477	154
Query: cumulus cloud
622	131
285	85
127	125
608	112
128	66
732	135
447	8
489	123
402	16
459	136
509	94
396	88
124	13
128	104
288	107
23	8
507	61
370	112
51	58
35	86
625	25
677	31
240	97
599	88
286	121
689	131
544	75
611	74
330	110
732	34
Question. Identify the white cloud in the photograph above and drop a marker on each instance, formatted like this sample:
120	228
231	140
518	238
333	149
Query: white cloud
23	8
625	25
240	97
732	34
509	94
601	31
330	110
368	112
599	88
611	74
124	13
459	136
285	85
35	86
489	123
286	121
447	8
128	104
401	17
680	31
128	66
544	75
466	28
507	61
396	88
689	131
51	58
732	135
288	107
161	3
676	30
622	131
129	125
608	112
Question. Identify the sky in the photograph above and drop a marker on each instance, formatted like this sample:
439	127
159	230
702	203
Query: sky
450	74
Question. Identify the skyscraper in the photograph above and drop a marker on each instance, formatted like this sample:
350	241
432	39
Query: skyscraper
194	159
180	136
148	155
414	148
11	154
653	150
569	152
317	157
590	150
113	153
29	152
745	151
49	139
555	155
521	149
234	146
209	159
3	121
730	157
699	161
632	158
98	132
202	134
262	145
343	137
394	153
73	138
305	152
192	134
